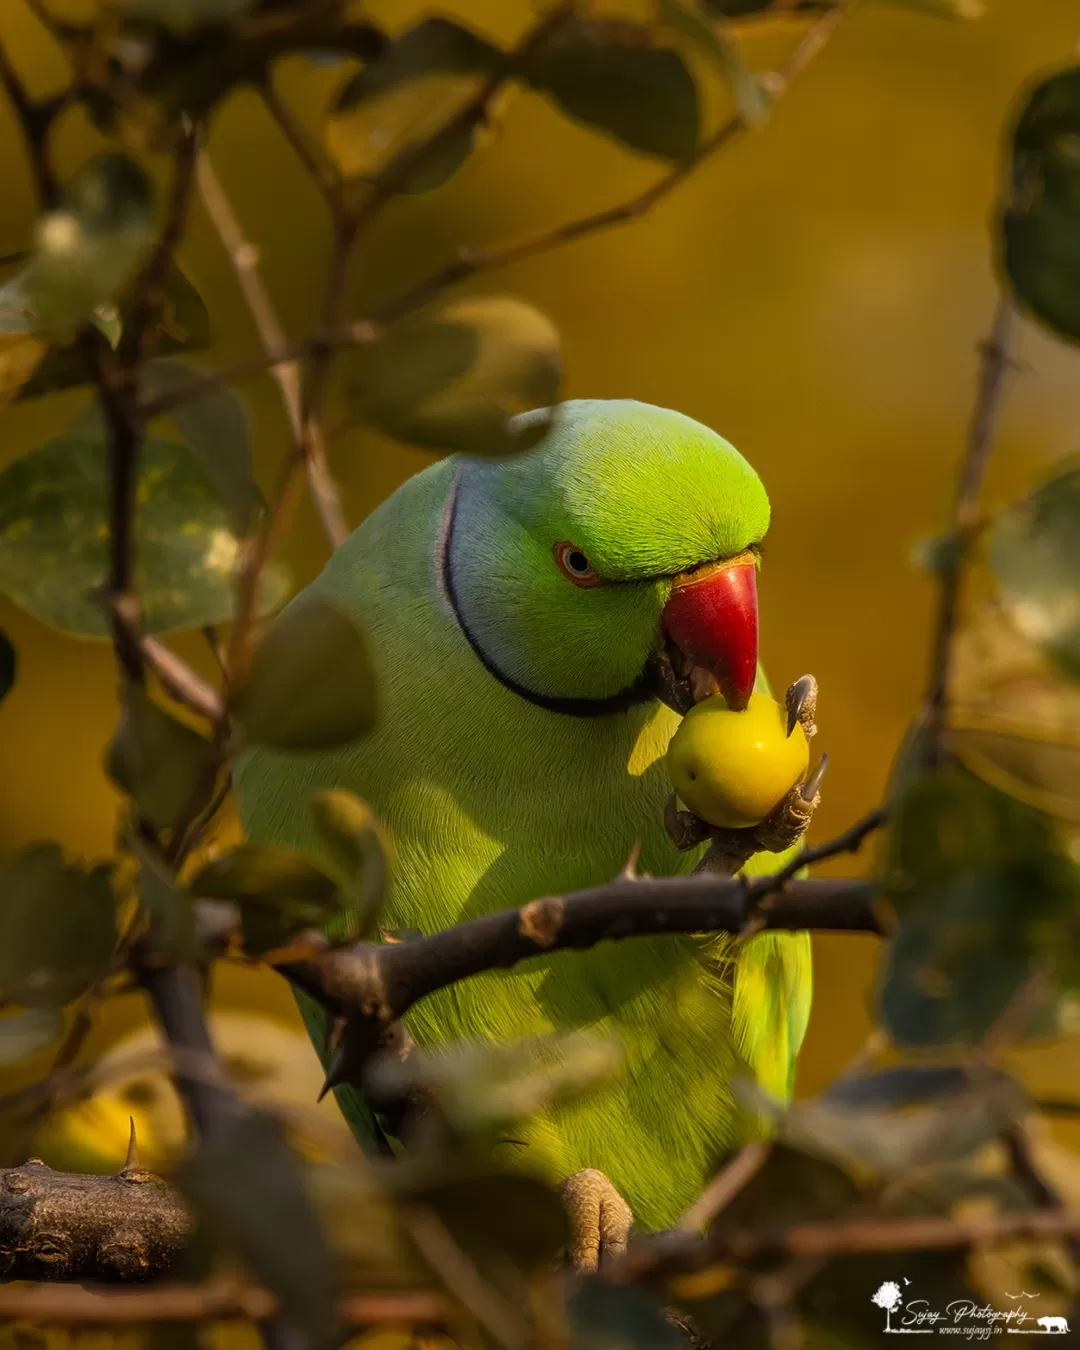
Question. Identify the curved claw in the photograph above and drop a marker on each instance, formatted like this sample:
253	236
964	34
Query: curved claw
802	704
809	789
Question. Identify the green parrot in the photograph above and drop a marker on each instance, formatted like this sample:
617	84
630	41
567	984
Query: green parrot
538	624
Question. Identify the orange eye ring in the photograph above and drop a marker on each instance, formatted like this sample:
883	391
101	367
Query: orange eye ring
574	565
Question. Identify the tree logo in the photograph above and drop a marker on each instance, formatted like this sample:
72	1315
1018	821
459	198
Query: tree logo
890	1298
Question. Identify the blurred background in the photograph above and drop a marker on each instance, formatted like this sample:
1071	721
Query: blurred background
817	295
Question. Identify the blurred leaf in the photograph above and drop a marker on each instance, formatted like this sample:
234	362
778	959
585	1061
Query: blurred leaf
610	75
730	9
454	377
1034	550
215	426
189	72
279	893
184	325
23	1034
360	848
1013	721
481	1086
106	319
8	666
246	1186
57	927
396	103
978	881
618	1317
158	761
871	1138
899	1085
311	686
495	1215
87	250
54	513
361	1221
751	97
20	357
1041	252
170	916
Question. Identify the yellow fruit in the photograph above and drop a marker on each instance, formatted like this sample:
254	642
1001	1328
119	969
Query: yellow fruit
733	768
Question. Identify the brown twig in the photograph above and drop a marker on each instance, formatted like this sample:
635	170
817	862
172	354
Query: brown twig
996	360
182	682
88	1306
436	1245
472	261
309	448
319	165
727	1183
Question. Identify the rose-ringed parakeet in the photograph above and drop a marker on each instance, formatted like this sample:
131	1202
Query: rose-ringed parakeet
521	615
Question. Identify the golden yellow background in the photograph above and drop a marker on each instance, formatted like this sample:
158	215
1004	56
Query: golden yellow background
816	295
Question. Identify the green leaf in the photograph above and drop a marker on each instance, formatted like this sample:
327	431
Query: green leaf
54	513
23	1034
979	883
57	927
9	664
752	100
158	761
610	74
387	112
279	893
1034	550
87	250
1040	252
454	377
868	1137
311	685
481	1087
246	1186
215	426
106	319
1014	721
184	325
360	849
170	916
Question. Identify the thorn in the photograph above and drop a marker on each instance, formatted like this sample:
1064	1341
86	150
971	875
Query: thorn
131	1162
797	698
630	872
335	1070
809	789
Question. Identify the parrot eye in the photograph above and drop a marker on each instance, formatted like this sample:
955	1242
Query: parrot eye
574	565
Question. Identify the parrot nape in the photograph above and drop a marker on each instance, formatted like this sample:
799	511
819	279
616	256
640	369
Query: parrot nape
529	689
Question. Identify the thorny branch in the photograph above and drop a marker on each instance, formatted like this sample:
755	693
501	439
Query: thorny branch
373	986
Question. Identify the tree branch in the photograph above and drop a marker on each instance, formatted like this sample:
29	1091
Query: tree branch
47	1306
374	985
996	359
61	1226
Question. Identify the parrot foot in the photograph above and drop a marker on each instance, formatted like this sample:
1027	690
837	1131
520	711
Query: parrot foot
600	1219
731	849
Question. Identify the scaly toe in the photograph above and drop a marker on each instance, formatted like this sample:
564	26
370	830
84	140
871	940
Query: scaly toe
600	1219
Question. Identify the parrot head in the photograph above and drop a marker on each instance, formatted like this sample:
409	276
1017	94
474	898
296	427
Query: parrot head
613	564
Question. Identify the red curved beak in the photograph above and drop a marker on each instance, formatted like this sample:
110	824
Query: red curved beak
712	616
